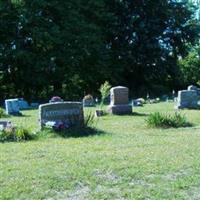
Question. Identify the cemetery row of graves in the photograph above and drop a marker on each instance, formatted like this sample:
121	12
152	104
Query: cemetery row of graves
69	117
146	149
123	159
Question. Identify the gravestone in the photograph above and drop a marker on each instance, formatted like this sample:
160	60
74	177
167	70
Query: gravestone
192	87
119	101
88	101
23	105
4	125
55	99
34	105
187	99
69	113
12	107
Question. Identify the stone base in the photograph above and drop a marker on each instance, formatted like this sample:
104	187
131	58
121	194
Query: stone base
120	109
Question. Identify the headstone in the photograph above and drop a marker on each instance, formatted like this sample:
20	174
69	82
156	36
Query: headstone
192	87
23	105
12	107
88	101
55	99
138	102
4	125
195	88
69	113
34	105
187	99
119	102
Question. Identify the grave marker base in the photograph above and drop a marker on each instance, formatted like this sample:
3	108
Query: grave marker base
120	109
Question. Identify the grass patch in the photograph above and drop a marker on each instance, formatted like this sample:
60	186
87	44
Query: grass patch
15	134
159	120
130	161
3	113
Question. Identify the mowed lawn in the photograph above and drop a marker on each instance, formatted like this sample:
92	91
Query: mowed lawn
127	161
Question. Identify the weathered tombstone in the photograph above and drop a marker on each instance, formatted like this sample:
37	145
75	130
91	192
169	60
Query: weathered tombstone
12	107
69	113
34	105
88	101
138	102
55	99
187	99
192	87
23	105
195	88
5	124
119	103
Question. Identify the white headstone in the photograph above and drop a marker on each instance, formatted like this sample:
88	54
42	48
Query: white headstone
187	99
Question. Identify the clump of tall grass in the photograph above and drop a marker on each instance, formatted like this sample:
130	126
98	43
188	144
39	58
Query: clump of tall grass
158	120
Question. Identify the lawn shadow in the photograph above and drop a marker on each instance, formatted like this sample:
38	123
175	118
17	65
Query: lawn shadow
139	114
22	116
80	132
135	114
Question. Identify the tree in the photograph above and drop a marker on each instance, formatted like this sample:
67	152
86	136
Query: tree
147	39
190	67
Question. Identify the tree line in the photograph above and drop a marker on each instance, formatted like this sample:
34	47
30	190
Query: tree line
69	48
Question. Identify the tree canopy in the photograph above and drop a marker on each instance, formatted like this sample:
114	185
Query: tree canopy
69	48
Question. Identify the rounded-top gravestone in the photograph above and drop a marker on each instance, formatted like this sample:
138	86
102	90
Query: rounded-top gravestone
88	101
192	87
55	99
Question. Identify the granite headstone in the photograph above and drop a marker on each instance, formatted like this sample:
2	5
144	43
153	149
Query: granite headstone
119	101
12	107
70	113
187	99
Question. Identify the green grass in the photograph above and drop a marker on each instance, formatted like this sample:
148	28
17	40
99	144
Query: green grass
129	161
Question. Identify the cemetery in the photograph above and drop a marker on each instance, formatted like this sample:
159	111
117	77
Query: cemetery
99	100
123	150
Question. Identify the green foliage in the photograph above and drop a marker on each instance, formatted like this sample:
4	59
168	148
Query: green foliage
15	135
67	48
104	90
190	67
2	113
159	120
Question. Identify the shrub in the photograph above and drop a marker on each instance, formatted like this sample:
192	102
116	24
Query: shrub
3	113
159	120
12	134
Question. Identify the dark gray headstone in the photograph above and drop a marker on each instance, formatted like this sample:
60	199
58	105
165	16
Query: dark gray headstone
70	113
